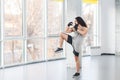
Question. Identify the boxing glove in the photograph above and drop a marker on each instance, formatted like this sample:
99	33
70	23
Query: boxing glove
70	24
76	27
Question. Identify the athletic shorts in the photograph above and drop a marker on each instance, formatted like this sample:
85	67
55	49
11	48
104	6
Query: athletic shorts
69	40
75	53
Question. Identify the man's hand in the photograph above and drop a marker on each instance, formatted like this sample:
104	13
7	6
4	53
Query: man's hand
70	24
76	27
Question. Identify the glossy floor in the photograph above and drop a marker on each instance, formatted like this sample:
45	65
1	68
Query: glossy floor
93	68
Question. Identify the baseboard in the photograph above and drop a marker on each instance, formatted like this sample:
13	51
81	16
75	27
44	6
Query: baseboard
107	54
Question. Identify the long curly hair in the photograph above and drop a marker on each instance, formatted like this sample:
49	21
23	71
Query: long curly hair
81	21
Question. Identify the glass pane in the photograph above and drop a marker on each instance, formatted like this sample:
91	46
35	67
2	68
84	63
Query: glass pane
12	51
55	14
35	18
90	15
35	49
13	18
52	45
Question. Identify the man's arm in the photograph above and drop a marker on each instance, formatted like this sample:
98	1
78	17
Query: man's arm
82	30
69	29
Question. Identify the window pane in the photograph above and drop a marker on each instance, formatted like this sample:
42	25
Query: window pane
13	18
35	49
12	51
52	45
90	14
55	14
35	18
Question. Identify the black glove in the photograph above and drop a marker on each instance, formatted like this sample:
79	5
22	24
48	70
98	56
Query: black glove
76	27
70	24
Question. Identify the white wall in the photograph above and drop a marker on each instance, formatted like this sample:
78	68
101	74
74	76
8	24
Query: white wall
107	26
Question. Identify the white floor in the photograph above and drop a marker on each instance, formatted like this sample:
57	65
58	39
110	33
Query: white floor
93	68
53	70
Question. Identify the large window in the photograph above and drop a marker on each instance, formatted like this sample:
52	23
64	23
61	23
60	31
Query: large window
35	29
30	30
90	14
12	29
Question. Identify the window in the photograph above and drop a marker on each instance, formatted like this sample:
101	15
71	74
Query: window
12	29
52	44
90	14
12	18
35	18
29	30
55	14
35	30
55	21
13	51
35	49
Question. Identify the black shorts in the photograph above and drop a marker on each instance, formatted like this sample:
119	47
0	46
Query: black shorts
75	53
69	40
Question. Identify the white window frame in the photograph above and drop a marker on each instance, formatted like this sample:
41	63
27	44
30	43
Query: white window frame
24	37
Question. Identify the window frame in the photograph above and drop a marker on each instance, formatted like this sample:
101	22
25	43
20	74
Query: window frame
24	37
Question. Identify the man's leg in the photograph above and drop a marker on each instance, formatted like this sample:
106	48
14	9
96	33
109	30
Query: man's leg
77	61
63	37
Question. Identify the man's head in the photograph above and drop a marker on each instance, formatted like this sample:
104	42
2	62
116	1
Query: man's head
79	20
